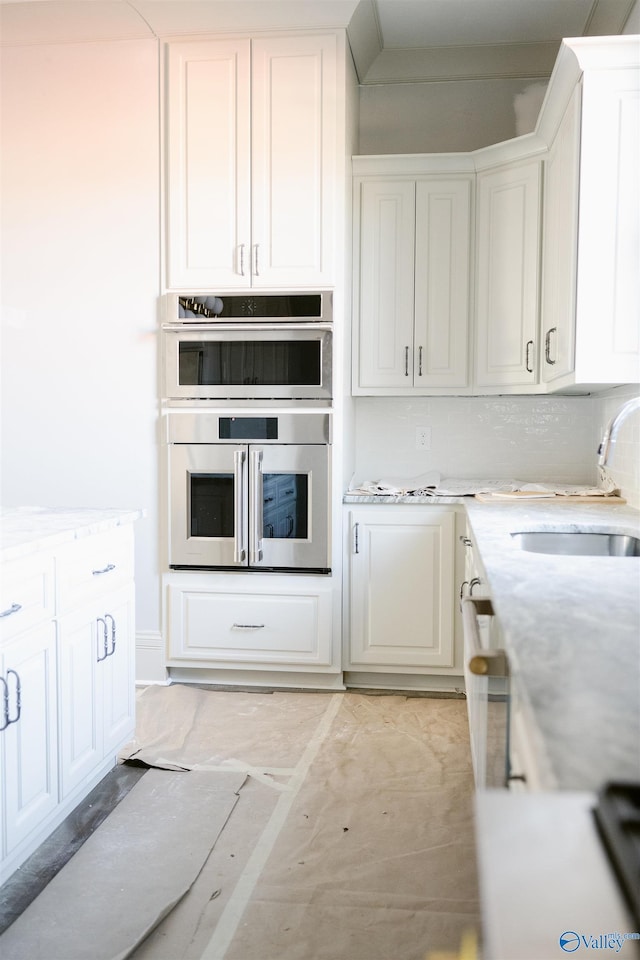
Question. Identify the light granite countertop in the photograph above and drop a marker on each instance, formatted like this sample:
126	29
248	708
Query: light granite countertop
25	530
571	627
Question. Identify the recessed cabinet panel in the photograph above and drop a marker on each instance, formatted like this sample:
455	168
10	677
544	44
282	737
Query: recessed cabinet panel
608	292
293	156
560	246
213	621
413	290
29	742
251	162
507	275
208	137
27	593
401	589
443	239
387	237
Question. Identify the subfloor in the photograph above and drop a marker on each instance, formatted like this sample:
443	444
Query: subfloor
271	826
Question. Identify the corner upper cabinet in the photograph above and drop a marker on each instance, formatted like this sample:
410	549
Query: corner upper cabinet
591	249
412	249
508	231
251	155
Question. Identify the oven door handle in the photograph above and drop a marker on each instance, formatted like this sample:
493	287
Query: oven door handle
257	505
482	662
239	500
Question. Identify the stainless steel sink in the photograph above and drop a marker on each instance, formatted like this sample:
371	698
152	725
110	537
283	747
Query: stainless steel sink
578	543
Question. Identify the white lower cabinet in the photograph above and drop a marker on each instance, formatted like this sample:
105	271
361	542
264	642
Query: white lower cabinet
67	687
401	594
232	621
97	686
28	742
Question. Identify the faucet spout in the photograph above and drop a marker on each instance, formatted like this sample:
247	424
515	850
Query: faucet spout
605	450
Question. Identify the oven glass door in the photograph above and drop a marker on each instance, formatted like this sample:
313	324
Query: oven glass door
249	506
289	519
243	364
208	496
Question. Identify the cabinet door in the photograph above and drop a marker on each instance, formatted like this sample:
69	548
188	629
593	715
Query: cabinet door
208	164
443	224
97	685
118	671
80	643
608	291
507	286
559	246
384	347
402	589
294	88
30	744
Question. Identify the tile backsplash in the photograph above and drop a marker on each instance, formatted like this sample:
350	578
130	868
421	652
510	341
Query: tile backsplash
552	439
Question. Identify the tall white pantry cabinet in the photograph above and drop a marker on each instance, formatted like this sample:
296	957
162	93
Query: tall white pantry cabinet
251	162
258	135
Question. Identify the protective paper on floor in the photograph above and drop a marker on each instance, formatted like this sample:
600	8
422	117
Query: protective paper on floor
130	873
188	727
376	857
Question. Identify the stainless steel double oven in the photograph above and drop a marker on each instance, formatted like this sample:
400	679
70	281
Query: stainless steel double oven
248	431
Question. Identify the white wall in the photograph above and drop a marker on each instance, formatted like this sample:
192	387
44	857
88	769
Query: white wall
80	278
443	117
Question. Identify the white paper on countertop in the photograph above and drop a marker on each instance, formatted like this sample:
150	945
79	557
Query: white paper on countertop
431	484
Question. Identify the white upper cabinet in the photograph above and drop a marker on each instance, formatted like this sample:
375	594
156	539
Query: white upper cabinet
251	162
507	275
412	250
591	252
559	247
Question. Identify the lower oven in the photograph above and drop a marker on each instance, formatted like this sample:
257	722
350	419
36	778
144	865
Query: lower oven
249	491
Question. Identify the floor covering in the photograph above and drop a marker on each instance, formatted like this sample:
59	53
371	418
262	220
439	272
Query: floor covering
350	838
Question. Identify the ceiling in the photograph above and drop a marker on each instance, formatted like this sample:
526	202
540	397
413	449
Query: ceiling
393	41
422	40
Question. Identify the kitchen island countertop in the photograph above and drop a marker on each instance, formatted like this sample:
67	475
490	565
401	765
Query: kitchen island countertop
25	530
571	628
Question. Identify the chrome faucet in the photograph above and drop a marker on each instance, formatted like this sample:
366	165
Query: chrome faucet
613	426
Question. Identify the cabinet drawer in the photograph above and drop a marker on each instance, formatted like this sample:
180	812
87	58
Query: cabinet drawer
26	593
272	627
89	566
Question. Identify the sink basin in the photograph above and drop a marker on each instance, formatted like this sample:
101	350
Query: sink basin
578	543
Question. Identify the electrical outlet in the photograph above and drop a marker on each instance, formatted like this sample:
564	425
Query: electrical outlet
423	438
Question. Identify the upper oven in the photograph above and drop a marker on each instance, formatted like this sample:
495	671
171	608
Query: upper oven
248	348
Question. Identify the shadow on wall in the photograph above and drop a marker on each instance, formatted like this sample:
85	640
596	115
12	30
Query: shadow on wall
526	106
